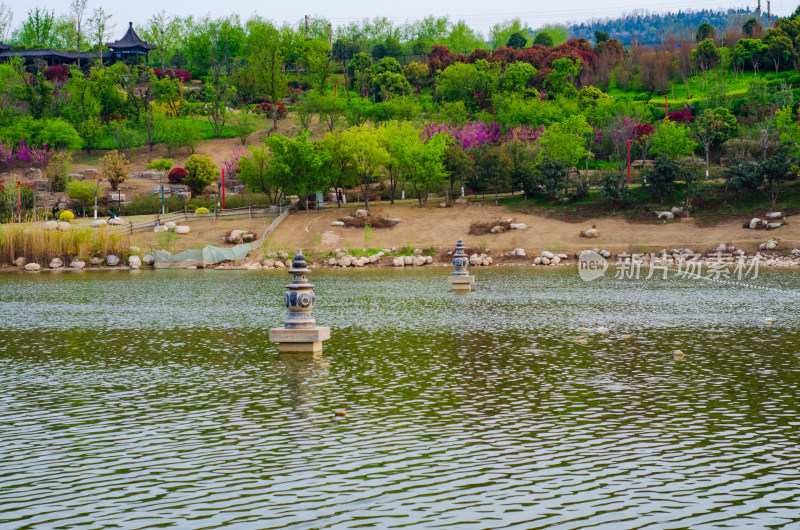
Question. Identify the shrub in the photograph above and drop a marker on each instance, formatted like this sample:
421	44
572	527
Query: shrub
202	209
478	228
83	193
114	168
266	109
57	171
56	73
66	216
200	171
177	175
60	134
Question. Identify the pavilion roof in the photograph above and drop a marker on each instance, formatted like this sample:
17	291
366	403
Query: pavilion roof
130	41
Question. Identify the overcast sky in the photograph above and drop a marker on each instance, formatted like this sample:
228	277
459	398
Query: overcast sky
479	14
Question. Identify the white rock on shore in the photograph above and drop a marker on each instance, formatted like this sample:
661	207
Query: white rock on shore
32	267
134	262
56	263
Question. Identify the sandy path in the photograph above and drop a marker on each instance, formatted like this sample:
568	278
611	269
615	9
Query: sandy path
441	227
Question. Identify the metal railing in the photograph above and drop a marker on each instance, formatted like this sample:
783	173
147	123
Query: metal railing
247	212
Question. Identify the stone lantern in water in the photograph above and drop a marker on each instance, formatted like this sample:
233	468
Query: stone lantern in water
300	332
460	280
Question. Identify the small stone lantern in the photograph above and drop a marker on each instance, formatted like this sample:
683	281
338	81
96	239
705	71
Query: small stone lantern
460	280
300	332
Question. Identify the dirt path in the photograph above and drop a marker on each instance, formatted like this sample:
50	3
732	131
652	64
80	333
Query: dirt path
441	227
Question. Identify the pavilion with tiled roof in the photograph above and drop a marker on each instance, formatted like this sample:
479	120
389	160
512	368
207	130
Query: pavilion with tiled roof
130	44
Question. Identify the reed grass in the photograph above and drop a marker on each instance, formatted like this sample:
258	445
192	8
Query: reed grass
41	246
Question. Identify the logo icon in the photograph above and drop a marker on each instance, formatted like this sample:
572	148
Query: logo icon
591	265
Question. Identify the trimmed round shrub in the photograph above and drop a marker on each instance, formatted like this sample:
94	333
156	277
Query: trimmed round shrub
202	209
177	174
66	216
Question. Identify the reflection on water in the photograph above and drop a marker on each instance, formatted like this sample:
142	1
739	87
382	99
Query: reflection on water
157	400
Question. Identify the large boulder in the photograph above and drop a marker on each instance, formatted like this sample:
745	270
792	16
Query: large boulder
115	197
408	260
429	259
112	260
774	215
398	262
135	262
665	216
418	260
51	225
32	267
116	221
772	226
498	229
171	226
183	229
337	223
20	262
77	264
160	228
755	222
56	263
518	226
547	254
269	263
99	223
591	233
96	261
475	260
362	213
677	211
280	265
64	226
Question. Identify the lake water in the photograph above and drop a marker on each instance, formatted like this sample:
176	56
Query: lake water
153	399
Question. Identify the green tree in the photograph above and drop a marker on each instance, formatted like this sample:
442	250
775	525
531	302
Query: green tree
458	164
257	173
494	169
706	56
543	39
422	161
614	188
553	177
38	29
563	74
298	163
713	127
517	40
342	170
661	177
369	155
565	141
601	36
83	192
417	74
358	74
672	141
705	31
523	156
265	61
60	134
779	47
200	172
517	78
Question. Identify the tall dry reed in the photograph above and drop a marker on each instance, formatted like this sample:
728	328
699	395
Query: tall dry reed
41	246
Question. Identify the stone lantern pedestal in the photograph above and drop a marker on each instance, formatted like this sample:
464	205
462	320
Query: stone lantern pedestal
460	280
300	333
